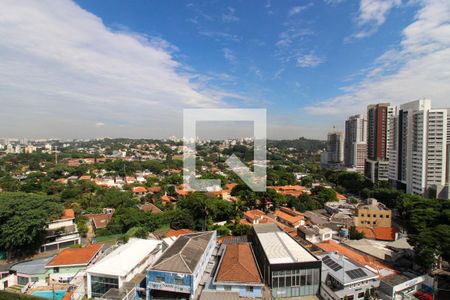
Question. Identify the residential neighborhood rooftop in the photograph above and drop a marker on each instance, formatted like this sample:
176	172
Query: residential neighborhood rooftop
238	265
279	247
75	256
123	259
184	255
344	269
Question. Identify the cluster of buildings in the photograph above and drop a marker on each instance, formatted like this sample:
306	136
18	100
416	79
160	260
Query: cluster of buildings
274	261
406	145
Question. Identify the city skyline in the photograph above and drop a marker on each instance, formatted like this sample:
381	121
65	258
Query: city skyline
87	69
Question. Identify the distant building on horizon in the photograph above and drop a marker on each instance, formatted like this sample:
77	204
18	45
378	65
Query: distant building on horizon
334	156
355	144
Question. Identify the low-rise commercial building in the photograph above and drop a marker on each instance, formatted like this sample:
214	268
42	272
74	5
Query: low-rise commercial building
400	286
344	279
373	214
121	265
178	272
287	267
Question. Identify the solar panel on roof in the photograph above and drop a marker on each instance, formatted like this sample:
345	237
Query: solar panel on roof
331	263
356	273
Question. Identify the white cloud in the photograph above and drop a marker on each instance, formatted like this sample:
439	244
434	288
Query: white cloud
298	9
61	69
333	2
229	16
419	67
372	14
229	55
309	60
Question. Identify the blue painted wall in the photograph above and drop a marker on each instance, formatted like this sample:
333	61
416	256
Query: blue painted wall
257	290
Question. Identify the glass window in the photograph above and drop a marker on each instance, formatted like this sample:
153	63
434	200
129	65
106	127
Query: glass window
22	280
100	285
275	282
159	278
361	295
227	288
303	280
179	280
56	270
281	282
288	281
249	289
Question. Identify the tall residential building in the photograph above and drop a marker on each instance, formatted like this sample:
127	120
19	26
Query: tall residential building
355	145
420	149
335	148
379	119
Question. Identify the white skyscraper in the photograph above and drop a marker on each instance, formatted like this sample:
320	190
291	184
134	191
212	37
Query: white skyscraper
419	160
355	145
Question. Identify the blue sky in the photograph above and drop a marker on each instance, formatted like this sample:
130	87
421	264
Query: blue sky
310	63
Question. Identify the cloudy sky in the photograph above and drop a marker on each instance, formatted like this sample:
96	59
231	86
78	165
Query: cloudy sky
80	69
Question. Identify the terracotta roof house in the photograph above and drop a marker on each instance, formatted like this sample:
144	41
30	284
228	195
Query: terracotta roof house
289	217
254	216
292	190
238	271
99	221
177	233
139	190
146	207
154	189
67	263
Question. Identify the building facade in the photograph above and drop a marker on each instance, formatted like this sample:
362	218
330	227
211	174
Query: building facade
344	279
379	120
286	267
419	163
355	145
122	265
373	214
238	271
334	156
178	272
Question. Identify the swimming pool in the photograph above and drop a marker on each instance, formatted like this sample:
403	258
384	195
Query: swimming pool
49	294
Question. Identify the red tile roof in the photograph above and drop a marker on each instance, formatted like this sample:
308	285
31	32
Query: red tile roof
332	246
150	207
340	196
238	265
178	232
253	214
378	233
68	214
99	220
76	256
293	220
139	189
154	189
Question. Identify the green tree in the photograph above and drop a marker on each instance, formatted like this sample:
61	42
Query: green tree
23	219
